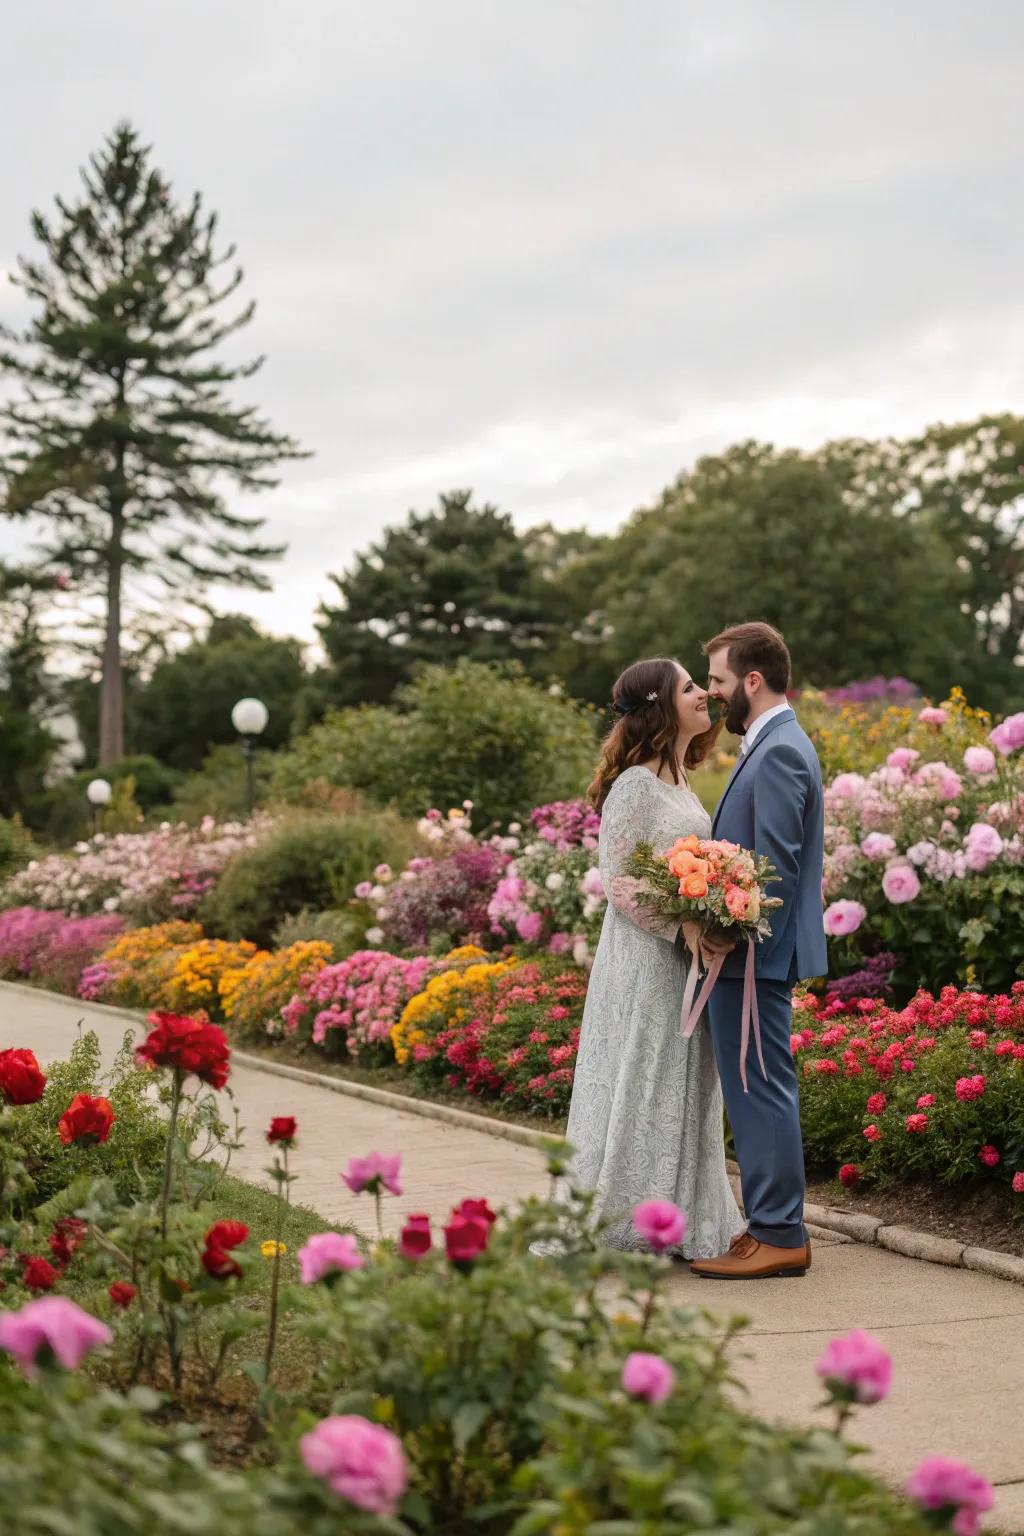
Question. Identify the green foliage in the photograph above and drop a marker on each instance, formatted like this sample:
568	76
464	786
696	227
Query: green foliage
218	788
184	709
28	694
16	846
468	731
64	814
449	584
345	932
308	860
123	432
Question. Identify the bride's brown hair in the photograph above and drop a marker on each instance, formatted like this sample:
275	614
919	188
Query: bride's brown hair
647	728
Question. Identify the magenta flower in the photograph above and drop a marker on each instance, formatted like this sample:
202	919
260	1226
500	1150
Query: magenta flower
374	1173
328	1253
856	1368
988	1155
55	1324
648	1376
660	1223
529	927
900	883
844	917
361	1462
953	1486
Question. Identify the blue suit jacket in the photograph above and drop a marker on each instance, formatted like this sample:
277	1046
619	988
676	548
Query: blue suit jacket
774	804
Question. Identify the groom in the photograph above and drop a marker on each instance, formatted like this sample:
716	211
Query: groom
772	804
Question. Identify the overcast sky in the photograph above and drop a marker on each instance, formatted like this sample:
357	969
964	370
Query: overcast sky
554	250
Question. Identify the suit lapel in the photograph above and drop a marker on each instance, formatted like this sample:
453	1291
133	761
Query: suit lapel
759	739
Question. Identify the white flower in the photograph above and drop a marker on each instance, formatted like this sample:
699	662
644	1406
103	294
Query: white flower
111	904
920	853
407	874
581	951
378	893
374	936
555	880
515	826
382	914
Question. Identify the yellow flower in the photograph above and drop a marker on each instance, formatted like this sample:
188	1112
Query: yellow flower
270	1249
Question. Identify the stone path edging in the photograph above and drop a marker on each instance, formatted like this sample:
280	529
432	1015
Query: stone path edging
849	1225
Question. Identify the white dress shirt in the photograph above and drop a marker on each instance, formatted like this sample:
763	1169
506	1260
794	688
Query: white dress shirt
758	725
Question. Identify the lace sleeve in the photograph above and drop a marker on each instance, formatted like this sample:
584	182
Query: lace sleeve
628	817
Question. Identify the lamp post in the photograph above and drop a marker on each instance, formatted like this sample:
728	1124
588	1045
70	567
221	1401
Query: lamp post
249	718
98	793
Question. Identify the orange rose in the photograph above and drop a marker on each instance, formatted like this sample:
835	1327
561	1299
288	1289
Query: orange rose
682	863
694	886
689	844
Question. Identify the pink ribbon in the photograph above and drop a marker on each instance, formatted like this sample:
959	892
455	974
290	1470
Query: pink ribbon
694	1006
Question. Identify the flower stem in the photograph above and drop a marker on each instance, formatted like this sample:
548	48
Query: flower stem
282	1187
172	1131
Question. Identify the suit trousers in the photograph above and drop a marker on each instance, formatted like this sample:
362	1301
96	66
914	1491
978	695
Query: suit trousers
766	1120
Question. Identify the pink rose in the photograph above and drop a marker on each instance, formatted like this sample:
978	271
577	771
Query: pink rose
989	1156
1018	1183
328	1253
900	883
876	1104
373	1173
844	917
53	1323
939	1483
932	716
946	781
878	845
872	1133
926	1101
1009	735
361	1462
363	890
529	927
660	1223
982	845
648	1376
847	786
736	902
856	1368
903	758
979	760
917	1123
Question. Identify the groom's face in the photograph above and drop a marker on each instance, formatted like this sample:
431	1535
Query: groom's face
729	690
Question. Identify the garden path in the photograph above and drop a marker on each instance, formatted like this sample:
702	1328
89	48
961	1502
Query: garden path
957	1337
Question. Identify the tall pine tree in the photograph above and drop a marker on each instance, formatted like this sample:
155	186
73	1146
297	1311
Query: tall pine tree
122	436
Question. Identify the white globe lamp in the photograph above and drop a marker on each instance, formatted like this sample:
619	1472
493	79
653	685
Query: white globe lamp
249	718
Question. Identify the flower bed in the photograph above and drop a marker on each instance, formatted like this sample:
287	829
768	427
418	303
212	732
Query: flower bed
52	949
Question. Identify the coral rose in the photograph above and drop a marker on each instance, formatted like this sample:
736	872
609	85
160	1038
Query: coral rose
86	1119
736	902
693	886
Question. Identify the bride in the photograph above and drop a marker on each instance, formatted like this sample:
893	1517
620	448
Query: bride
646	1115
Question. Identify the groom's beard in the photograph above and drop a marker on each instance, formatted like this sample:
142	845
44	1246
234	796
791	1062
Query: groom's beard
736	713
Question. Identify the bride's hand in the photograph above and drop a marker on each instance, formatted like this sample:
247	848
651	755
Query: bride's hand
692	935
700	942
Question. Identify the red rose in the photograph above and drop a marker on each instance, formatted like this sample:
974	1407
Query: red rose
122	1294
38	1275
282	1129
466	1238
849	1175
190	1046
475	1210
86	1119
221	1238
21	1081
876	1104
414	1240
67	1235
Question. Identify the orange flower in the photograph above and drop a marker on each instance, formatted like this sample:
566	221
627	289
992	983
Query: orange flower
683	863
689	844
693	886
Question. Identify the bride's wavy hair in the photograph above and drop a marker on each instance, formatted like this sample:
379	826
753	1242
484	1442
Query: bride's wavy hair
647	727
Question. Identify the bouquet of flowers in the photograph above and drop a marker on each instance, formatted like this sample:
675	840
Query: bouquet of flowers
716	884
722	887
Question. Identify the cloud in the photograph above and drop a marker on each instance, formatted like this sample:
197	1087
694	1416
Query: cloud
554	252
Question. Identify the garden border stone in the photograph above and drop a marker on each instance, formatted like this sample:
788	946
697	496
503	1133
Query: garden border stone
851	1225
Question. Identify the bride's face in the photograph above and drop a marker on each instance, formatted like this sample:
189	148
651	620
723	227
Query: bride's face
691	702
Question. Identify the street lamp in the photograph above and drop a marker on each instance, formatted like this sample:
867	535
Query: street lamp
98	793
249	718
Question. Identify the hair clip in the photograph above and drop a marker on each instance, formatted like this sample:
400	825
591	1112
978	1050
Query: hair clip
652	696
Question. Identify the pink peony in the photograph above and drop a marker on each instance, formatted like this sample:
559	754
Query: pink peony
941	1484
989	1156
736	902
979	760
926	1101
846	786
328	1253
900	883
872	1133
917	1123
932	716
876	1104
878	845
361	1462
1018	1183
1009	735
902	759
374	1173
844	917
648	1376
856	1368
54	1324
968	1088
660	1223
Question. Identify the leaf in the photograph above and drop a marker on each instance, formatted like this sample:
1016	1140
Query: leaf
466	1421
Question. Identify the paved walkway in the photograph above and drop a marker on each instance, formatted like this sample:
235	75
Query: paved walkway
957	1338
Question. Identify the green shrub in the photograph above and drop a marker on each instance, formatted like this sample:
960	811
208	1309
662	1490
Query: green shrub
307	861
16	847
218	788
343	931
63	814
470	731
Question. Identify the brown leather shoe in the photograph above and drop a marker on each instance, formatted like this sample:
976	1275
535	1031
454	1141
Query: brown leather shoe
749	1259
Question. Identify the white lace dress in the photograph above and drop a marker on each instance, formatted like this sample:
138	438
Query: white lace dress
646	1115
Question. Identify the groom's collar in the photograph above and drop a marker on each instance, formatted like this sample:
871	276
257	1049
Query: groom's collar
768	722
755	728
